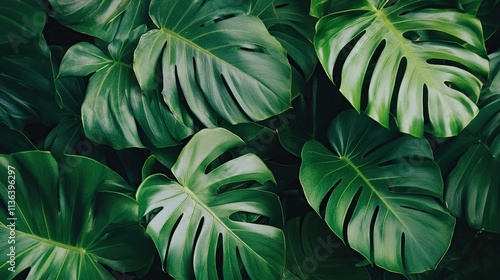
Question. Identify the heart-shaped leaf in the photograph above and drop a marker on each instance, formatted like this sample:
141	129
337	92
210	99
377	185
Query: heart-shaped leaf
68	221
380	192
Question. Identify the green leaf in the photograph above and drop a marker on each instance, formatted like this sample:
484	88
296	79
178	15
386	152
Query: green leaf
20	21
115	111
440	76
92	17
216	62
315	252
487	11
293	27
470	163
13	141
380	193
194	228
71	221
492	86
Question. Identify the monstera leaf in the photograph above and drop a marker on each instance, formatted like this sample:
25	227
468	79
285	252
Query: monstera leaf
315	252
114	102
69	222
198	226
217	62
471	163
95	17
380	192
439	74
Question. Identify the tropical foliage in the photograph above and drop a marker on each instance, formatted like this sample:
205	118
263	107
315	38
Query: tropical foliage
249	139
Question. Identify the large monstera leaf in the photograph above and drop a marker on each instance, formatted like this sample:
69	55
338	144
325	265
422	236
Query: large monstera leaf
439	71
198	228
471	163
380	192
216	61
71	220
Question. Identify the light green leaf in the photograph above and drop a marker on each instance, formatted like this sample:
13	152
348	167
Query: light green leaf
380	193
194	221
440	76
216	63
71	221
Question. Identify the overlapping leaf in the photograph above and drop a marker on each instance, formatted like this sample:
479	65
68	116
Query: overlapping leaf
440	75
115	109
197	225
70	222
380	192
216	61
471	163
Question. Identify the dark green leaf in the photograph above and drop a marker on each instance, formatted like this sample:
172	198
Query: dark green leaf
380	192
470	163
71	221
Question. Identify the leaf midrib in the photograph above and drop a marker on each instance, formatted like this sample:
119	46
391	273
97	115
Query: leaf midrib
402	41
76	249
374	190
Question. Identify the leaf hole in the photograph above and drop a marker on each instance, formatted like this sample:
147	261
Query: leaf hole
176	225
252	48
281	5
369	73
217	19
426	105
372	232
397	85
219	256
404	13
391	3
220	160
350	212
344	53
245	217
403	245
243	271
324	202
198	232
411	35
